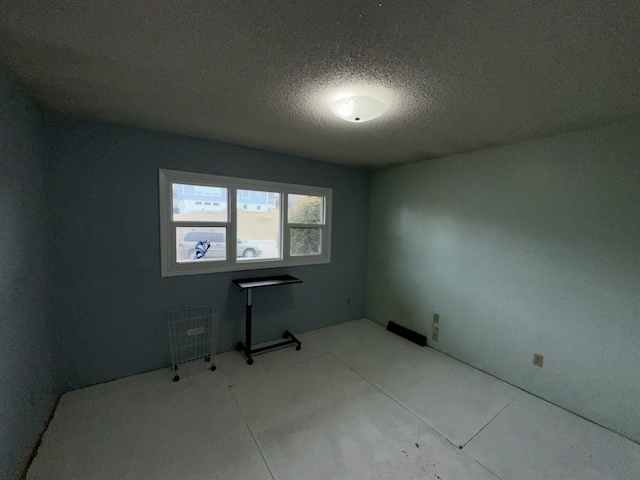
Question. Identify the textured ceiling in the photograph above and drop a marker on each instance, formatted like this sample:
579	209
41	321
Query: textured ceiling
456	75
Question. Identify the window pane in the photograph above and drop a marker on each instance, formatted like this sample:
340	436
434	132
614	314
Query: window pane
305	241
201	245
258	225
305	209
199	203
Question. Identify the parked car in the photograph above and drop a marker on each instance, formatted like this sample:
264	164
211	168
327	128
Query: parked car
188	240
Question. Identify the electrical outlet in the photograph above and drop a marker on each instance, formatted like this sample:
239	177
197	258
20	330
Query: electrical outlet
537	360
436	318
434	333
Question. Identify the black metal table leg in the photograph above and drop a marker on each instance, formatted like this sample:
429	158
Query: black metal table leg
249	284
247	350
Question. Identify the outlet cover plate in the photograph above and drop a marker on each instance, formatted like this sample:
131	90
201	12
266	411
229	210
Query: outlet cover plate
537	360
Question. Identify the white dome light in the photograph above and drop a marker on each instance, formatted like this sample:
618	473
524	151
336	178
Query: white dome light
358	108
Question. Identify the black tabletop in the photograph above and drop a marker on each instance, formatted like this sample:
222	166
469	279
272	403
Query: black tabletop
265	281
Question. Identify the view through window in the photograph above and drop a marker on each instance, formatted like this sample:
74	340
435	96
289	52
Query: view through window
271	224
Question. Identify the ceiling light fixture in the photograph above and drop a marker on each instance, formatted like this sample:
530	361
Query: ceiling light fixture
358	108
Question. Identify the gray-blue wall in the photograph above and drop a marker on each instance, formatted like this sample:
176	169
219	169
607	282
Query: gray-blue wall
108	294
529	248
29	383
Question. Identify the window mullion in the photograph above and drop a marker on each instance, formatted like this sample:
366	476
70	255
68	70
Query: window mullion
306	225
183	224
232	229
284	207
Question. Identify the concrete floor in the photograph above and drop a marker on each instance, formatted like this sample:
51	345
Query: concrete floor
355	403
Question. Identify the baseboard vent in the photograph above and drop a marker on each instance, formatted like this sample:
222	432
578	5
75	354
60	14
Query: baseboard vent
404	332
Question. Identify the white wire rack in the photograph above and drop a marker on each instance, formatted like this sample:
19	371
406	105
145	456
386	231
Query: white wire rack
193	334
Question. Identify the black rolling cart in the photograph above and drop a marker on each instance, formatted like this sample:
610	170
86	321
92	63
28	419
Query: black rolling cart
249	284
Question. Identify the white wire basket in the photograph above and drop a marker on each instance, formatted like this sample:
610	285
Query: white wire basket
193	334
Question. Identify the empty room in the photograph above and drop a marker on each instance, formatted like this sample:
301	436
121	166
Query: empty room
433	215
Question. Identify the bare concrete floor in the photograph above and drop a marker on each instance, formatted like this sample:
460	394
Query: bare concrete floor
356	402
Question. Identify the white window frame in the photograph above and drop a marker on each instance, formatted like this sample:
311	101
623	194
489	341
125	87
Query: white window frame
169	265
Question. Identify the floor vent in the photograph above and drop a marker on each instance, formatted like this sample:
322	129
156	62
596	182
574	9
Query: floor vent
410	335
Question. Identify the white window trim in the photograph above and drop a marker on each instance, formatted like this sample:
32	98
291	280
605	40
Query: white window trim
169	265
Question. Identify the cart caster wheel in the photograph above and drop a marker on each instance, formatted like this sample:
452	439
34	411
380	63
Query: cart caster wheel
250	361
176	378
213	368
298	347
207	358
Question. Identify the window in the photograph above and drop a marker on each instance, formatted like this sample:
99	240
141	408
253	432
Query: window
306	221
271	224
